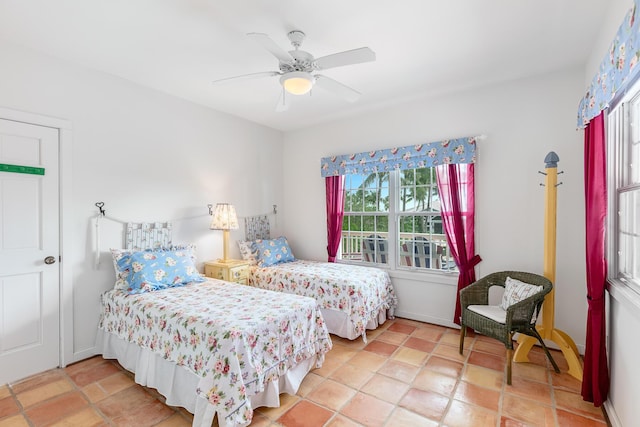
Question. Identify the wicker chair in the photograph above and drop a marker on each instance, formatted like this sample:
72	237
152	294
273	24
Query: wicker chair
519	317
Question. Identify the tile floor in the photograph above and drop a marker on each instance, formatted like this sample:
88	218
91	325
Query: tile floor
410	374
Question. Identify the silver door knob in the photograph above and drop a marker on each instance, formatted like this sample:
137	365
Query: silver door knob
50	260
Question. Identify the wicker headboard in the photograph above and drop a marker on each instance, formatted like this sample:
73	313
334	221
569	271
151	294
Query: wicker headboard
257	227
147	235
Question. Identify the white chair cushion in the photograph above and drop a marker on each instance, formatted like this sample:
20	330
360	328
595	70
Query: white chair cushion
493	312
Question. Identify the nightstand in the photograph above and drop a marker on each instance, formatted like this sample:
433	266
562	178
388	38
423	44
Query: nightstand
232	271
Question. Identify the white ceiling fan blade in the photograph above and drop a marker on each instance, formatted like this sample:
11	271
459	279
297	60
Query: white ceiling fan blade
283	102
247	77
355	56
338	88
266	42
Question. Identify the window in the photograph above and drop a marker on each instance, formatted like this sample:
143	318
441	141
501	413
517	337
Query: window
623	141
365	226
393	218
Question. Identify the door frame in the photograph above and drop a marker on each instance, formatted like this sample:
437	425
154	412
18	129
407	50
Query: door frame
65	133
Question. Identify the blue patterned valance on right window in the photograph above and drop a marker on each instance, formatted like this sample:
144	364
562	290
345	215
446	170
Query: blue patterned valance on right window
461	150
616	70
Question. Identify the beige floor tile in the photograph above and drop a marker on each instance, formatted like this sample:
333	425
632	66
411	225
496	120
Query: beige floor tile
528	411
483	377
342	352
178	420
331	394
342	421
401	417
368	410
14	421
530	371
425	403
462	414
391	337
88	417
42	393
4	391
450	352
94	392
410	356
530	389
573	402
116	382
309	383
399	370
434	381
352	376
369	361
476	395
328	367
385	388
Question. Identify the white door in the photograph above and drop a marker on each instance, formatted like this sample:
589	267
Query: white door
29	233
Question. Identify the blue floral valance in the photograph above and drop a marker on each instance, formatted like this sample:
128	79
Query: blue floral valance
617	68
461	150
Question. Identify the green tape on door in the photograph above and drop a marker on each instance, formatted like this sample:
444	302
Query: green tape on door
21	169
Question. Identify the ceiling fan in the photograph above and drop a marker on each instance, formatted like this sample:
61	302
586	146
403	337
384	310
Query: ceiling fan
298	68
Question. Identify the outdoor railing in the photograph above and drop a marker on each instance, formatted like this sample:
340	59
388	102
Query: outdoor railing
352	246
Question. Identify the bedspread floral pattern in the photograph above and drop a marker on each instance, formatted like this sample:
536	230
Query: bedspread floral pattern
360	292
234	337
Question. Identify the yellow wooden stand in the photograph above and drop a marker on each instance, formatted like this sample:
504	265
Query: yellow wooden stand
547	329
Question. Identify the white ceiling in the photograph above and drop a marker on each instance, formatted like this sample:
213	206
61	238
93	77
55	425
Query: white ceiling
423	47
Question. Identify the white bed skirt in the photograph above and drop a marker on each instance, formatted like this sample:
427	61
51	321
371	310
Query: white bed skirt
340	324
178	385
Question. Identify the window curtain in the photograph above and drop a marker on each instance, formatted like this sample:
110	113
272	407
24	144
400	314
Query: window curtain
595	382
456	187
335	211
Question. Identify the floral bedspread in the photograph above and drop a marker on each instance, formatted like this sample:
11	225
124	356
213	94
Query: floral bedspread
235	337
360	292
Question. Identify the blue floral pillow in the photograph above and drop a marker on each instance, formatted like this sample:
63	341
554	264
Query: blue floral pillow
158	269
273	251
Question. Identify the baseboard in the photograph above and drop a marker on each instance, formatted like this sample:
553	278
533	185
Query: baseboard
614	421
427	319
84	354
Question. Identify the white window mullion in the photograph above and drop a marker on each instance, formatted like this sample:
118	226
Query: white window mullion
393	218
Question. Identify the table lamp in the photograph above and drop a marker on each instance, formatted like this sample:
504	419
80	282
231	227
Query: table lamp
224	218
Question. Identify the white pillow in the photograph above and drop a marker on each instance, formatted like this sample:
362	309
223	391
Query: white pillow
516	291
248	251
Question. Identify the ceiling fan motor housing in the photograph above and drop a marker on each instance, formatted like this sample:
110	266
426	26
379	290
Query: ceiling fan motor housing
302	61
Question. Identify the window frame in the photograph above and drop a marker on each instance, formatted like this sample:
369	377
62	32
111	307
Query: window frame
395	214
619	131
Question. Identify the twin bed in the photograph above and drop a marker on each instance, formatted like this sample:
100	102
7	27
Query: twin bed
219	348
352	298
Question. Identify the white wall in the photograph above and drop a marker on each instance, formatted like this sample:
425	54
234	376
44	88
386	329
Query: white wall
523	121
149	157
624	306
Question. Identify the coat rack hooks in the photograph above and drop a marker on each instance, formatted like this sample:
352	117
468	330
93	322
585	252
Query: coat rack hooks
100	206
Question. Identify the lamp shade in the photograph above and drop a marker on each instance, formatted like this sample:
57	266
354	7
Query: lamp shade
224	217
297	82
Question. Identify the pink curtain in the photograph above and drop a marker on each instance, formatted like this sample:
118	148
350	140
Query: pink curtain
456	187
595	381
335	211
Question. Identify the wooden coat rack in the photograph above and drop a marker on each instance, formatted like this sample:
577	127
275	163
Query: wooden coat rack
547	330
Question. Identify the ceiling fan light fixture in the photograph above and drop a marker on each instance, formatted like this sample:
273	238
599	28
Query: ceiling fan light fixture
297	82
